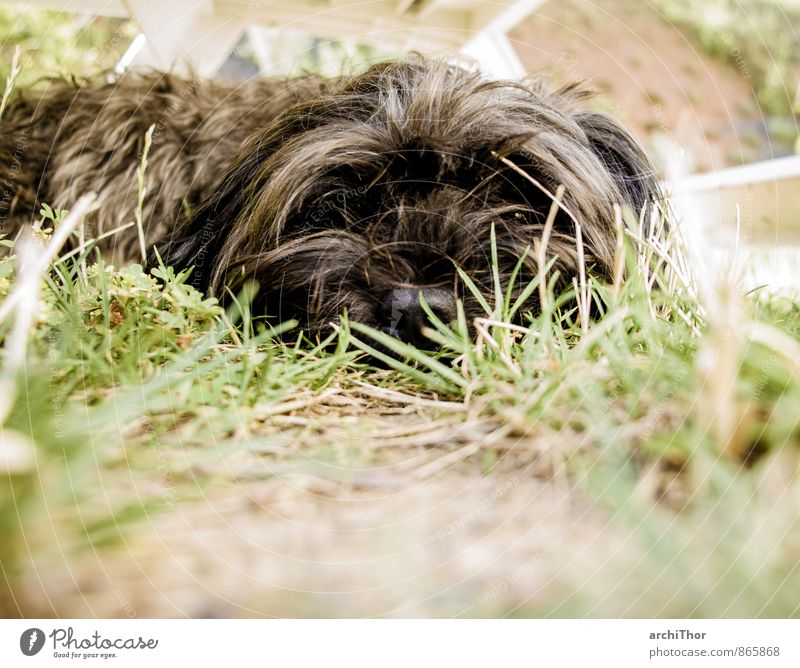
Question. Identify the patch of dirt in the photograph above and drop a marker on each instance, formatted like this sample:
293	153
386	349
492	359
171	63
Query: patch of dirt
356	508
309	546
652	76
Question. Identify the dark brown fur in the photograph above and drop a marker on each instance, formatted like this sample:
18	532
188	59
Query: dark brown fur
71	137
332	194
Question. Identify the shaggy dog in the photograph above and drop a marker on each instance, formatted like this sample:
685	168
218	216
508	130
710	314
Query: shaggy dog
355	194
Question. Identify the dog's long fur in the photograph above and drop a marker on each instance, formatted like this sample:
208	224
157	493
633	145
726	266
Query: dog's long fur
73	137
329	194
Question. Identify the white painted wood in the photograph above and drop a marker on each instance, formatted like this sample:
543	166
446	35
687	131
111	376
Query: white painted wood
500	16
198	33
374	23
185	36
490	46
767	195
495	55
259	38
98	7
131	54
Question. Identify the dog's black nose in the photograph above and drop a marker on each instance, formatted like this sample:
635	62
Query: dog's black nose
403	317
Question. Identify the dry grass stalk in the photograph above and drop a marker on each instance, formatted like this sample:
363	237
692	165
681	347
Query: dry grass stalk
484	336
10	80
87	242
142	191
619	252
541	246
375	391
582	292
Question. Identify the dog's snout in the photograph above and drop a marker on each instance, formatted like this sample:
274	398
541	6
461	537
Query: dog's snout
404	317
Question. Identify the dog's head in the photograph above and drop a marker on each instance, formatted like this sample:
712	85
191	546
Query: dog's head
375	190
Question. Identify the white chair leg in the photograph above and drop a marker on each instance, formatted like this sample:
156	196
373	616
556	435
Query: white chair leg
184	36
495	55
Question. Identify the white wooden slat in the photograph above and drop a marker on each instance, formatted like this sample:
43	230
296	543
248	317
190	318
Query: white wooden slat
502	15
194	34
767	195
370	23
186	36
98	7
489	45
495	55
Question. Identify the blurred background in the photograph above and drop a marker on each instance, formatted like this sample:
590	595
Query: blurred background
718	78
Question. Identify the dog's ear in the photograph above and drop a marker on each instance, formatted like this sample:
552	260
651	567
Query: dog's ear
203	241
623	157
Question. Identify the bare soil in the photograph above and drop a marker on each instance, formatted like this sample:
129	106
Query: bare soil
349	507
651	74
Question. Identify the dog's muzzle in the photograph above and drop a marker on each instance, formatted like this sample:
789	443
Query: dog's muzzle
401	314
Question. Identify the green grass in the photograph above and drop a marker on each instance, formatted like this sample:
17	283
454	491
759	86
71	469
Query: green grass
666	421
62	43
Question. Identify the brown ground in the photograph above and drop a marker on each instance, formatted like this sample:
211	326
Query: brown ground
390	513
651	74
